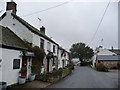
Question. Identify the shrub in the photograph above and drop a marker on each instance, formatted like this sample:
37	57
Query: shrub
115	67
39	55
118	65
66	72
42	77
56	73
101	67
35	69
23	70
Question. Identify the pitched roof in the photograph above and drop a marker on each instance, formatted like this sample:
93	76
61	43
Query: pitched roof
117	51
10	40
31	28
105	52
108	57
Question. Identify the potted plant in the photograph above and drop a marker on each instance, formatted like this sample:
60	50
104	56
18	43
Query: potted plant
32	75
22	77
3	85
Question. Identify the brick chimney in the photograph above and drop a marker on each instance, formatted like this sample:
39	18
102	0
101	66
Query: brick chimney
42	29
12	6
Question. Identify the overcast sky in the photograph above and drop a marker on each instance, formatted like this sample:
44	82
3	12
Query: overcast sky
74	21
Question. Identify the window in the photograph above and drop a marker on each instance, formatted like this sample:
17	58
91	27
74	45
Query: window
49	46
54	59
16	63
42	43
53	48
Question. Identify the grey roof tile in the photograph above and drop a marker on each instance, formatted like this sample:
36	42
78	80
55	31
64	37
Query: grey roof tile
10	39
108	57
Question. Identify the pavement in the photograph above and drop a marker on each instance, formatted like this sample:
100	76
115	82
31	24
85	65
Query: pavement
86	77
33	84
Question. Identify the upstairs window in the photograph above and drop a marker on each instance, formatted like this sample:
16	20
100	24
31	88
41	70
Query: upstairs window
53	48
49	46
42	43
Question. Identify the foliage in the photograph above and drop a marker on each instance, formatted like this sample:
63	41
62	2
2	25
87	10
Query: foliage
2	83
39	54
57	73
35	69
71	66
42	77
66	72
47	76
23	70
86	63
37	60
116	67
81	51
101	67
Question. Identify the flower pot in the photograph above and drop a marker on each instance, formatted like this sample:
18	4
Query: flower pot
3	85
21	80
32	77
23	74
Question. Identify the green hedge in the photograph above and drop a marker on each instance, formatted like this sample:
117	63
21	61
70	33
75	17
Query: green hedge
56	74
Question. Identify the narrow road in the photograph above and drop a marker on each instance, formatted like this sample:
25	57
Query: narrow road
86	77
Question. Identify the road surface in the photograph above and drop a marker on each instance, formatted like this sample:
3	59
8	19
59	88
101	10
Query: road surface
86	77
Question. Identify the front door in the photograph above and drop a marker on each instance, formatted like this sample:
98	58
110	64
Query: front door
47	65
24	64
63	63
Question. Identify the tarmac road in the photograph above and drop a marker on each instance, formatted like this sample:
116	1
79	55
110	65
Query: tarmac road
86	77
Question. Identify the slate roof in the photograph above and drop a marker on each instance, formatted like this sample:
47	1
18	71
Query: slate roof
31	28
117	51
10	40
108	58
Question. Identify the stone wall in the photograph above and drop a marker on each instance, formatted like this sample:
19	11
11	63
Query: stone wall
109	64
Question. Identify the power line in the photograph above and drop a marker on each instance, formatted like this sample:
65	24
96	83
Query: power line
46	9
100	22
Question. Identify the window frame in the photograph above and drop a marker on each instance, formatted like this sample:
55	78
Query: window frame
48	46
54	49
14	63
42	42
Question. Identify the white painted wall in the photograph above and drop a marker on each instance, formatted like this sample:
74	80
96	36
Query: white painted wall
0	64
101	51
19	29
59	59
23	32
36	40
9	74
66	59
93	60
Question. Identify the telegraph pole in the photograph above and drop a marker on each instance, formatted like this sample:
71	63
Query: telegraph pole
102	42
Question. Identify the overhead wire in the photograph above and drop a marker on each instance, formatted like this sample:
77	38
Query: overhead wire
100	22
46	9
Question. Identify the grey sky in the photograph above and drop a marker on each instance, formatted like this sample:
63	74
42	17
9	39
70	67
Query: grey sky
73	22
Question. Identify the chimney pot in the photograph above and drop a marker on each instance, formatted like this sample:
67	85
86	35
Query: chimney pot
11	6
42	29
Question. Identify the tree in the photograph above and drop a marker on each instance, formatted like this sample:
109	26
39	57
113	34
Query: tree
81	51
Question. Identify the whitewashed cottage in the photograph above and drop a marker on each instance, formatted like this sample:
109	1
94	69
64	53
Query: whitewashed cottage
105	56
63	58
36	37
14	54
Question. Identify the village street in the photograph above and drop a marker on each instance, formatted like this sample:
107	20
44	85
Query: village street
86	77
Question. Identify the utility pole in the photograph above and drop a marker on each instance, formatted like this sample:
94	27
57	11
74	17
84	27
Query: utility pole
102	42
